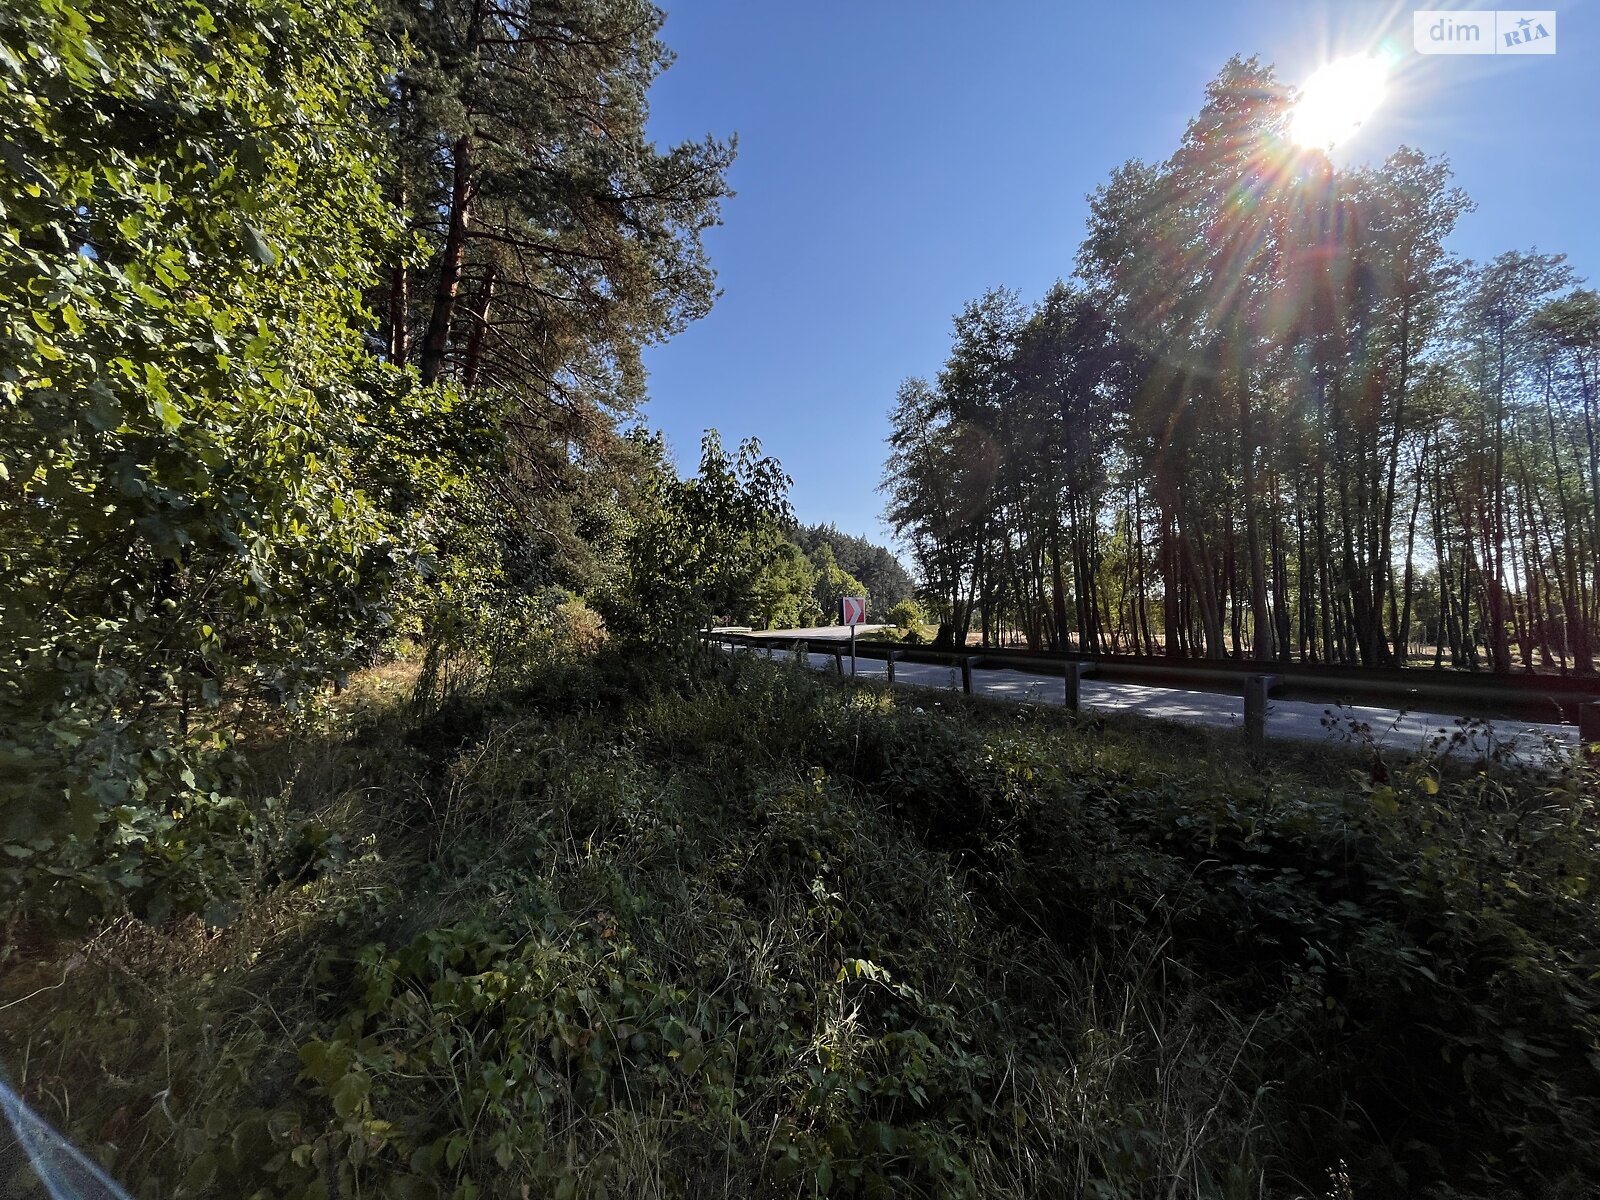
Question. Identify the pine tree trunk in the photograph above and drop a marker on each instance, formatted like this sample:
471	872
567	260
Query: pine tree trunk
437	341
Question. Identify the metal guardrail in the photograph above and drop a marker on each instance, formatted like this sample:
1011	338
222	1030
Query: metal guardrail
1558	699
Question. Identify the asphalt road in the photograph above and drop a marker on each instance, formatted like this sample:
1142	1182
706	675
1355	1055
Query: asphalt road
1407	732
841	632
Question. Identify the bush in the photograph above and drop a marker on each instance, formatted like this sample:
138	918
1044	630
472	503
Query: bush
908	615
496	638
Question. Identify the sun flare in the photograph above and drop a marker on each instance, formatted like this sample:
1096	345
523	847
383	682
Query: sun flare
1337	99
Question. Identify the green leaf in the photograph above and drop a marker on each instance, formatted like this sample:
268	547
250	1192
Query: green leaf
691	1059
202	1171
455	1150
167	412
256	243
104	413
1383	801
350	1093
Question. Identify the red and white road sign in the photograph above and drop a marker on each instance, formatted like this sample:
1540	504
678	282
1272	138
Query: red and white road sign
852	610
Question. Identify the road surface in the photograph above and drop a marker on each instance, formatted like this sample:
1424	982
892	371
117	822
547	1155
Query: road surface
1299	720
842	632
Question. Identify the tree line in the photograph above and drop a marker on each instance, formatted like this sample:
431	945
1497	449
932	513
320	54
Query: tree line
813	568
1271	416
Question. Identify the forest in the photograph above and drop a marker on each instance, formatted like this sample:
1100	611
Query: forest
1270	416
322	328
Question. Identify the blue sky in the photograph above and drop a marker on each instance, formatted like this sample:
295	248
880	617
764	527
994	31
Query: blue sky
898	157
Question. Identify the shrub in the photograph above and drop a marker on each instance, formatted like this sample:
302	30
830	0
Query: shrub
908	615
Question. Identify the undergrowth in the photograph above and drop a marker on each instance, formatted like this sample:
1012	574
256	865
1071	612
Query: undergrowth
741	931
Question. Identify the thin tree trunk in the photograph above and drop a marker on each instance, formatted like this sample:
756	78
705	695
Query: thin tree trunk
1499	646
1402	633
480	329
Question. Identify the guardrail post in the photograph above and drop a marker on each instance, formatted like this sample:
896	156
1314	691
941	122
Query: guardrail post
1256	690
892	655
966	674
1589	731
838	662
1074	686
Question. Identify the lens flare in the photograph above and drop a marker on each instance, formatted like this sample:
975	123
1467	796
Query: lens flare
1337	99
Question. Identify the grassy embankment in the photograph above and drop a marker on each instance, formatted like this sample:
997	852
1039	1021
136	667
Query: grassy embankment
630	932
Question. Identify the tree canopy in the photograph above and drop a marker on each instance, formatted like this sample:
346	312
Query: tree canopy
879	575
1272	416
318	326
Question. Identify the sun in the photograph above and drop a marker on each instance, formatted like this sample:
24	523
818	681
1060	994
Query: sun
1336	100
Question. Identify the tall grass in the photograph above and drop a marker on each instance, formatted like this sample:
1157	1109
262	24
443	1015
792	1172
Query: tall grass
630	930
